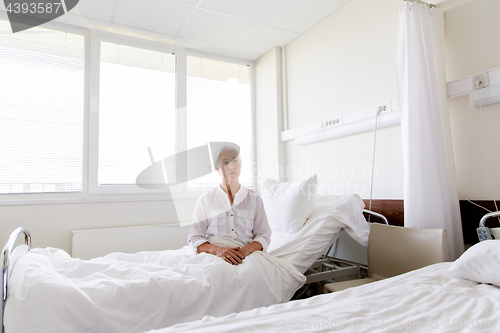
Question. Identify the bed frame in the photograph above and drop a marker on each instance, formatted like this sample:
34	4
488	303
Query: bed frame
6	262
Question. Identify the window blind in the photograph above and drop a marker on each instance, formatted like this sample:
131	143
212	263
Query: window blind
41	110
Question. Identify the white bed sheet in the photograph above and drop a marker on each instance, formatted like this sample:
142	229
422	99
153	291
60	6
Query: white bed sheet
52	292
330	215
425	300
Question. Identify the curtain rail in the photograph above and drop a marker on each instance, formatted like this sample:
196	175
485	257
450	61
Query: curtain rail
419	1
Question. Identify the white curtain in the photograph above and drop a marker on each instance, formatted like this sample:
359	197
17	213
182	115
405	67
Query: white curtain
430	187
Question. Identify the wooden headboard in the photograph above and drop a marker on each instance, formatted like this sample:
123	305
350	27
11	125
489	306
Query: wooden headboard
393	210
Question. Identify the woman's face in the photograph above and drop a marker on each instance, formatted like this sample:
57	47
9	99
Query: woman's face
229	160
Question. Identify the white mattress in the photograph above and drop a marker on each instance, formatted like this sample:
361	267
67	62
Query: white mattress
425	300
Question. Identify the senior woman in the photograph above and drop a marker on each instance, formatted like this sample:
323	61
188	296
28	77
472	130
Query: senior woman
230	214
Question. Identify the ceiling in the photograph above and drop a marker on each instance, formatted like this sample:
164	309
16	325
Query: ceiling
238	28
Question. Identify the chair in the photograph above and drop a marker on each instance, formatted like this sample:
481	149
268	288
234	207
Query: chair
396	250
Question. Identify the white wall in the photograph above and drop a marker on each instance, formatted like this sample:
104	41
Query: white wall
472	32
348	62
51	225
344	64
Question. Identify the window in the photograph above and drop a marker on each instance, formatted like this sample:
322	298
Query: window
136	103
136	111
135	86
42	77
219	108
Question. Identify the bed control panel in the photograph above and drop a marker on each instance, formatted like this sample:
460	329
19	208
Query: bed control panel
483	233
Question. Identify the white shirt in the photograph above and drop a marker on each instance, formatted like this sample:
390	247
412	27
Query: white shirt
245	221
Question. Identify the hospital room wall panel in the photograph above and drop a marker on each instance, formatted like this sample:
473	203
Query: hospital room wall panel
473	141
472	33
51	225
345	165
347	63
472	37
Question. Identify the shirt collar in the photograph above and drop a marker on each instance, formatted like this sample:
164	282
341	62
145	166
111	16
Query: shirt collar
238	197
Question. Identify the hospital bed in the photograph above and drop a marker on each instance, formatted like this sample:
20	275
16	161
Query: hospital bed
460	296
45	290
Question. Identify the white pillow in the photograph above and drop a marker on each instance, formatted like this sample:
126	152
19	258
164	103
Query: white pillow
288	205
480	263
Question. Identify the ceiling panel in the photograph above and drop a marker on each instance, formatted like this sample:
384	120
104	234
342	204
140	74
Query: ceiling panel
163	16
214	28
252	10
191	2
141	33
200	46
97	9
299	15
261	38
83	21
232	52
237	28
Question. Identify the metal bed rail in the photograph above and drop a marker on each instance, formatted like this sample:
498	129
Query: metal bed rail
488	216
364	211
376	215
5	257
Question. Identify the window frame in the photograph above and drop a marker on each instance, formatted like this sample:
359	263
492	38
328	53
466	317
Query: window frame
22	198
91	191
181	191
96	38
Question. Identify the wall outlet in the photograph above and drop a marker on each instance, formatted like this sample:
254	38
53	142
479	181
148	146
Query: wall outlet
480	81
333	122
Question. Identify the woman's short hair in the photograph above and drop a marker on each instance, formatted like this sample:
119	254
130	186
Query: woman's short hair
221	149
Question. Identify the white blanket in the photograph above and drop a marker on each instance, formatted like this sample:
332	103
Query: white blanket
425	300
52	292
330	215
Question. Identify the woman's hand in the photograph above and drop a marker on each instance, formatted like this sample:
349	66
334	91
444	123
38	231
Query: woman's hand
250	248
233	255
245	251
230	255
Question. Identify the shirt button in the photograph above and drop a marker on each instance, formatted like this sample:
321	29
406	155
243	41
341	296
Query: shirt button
231	215
232	229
